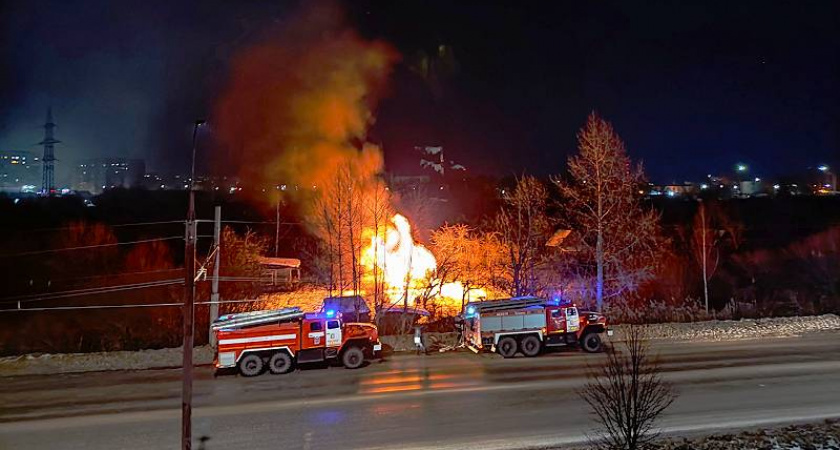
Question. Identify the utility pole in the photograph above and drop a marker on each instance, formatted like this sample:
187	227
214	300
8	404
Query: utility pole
189	310
277	229
214	289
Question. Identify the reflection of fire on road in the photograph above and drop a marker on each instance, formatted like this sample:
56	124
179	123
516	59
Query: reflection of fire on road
408	267
409	379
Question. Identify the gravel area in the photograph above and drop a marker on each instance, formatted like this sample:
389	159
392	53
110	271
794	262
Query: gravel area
171	357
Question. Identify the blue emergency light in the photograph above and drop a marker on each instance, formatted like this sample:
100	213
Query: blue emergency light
330	313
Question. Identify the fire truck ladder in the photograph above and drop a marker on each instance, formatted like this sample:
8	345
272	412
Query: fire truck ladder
241	320
507	303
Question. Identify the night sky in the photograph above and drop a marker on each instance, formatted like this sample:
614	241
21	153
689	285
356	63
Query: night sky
693	87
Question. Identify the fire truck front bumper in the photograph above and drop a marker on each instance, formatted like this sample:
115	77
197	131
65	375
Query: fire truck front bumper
376	349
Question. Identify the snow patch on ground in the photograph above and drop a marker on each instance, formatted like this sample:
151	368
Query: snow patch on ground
728	330
42	364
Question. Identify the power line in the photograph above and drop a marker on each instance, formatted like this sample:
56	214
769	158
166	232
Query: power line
89	291
249	221
116	275
140	305
29	298
83	247
121	287
116	225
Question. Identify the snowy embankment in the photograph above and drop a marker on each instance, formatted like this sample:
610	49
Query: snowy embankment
728	330
43	364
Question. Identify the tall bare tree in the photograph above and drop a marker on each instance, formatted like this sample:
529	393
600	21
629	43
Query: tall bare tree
340	219
241	259
704	245
617	235
379	212
713	232
523	227
466	256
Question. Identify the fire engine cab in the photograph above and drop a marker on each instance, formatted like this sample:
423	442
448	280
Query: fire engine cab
278	340
530	325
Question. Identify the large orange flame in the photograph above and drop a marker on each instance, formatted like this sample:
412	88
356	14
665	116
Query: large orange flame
408	268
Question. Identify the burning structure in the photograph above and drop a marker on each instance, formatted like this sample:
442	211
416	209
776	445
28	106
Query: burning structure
296	111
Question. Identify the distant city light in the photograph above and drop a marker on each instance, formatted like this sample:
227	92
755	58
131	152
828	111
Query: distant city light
704	186
776	186
671	193
823	168
741	167
757	179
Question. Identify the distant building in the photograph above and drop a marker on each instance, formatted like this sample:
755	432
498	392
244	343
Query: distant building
406	182
98	174
19	172
674	190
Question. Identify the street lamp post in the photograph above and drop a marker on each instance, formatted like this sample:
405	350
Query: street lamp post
189	302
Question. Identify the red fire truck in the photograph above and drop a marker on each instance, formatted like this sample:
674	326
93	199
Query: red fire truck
530	325
277	340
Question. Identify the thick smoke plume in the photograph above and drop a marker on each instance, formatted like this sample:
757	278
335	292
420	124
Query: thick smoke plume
298	105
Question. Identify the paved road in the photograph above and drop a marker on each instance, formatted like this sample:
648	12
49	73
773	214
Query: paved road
453	400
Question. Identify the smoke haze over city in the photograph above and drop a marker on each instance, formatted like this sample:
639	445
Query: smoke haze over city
693	89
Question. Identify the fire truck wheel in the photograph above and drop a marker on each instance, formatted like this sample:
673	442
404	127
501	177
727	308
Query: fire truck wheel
353	357
591	342
507	347
531	346
280	362
251	365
